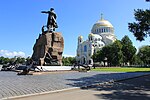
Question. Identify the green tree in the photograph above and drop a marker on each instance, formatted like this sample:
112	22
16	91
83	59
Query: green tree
20	60
72	60
117	56
65	61
6	60
104	55
111	54
136	60
128	49
13	60
1	60
68	61
96	56
141	28
144	54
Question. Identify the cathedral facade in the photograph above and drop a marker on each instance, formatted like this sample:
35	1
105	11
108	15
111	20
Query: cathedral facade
102	34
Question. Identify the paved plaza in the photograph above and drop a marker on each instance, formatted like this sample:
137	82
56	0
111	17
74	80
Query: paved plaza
130	89
13	85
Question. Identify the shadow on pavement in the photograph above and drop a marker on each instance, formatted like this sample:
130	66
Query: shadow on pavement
136	88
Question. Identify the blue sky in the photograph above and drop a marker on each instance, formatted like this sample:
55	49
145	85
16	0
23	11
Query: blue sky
21	21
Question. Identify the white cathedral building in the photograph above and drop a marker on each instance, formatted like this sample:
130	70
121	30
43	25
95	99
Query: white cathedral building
102	34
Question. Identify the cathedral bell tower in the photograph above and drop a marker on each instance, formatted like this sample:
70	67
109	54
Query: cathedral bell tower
80	39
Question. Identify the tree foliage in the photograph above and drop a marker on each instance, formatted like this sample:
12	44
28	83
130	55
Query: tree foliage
14	60
4	60
140	28
136	60
111	54
118	53
128	49
144	54
68	61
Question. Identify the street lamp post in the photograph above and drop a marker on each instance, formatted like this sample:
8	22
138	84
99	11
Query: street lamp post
94	52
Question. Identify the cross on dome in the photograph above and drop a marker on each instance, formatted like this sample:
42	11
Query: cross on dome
102	17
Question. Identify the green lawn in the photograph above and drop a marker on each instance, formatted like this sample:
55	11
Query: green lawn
124	69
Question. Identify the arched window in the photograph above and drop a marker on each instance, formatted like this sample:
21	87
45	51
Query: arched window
85	48
80	40
89	38
90	62
95	39
100	30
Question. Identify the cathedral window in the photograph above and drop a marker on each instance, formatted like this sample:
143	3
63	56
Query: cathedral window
90	62
107	29
90	38
85	48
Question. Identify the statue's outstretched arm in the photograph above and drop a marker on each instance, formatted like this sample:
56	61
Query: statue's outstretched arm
44	11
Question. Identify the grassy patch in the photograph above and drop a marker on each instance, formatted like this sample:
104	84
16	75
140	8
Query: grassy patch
124	69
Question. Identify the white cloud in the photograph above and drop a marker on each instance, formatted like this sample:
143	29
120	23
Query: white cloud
65	55
6	53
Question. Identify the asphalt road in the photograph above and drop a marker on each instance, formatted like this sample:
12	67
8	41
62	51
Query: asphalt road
132	89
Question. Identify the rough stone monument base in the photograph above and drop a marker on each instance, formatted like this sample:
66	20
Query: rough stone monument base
48	49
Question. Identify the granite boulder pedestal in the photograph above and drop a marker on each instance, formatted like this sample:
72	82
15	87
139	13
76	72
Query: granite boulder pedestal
48	49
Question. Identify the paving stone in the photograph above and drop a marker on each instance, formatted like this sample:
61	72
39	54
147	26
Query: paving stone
13	85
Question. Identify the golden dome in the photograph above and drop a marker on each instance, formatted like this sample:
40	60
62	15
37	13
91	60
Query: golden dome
102	26
104	23
80	37
91	34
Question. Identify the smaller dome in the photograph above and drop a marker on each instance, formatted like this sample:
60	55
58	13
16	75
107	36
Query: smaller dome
91	34
81	37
